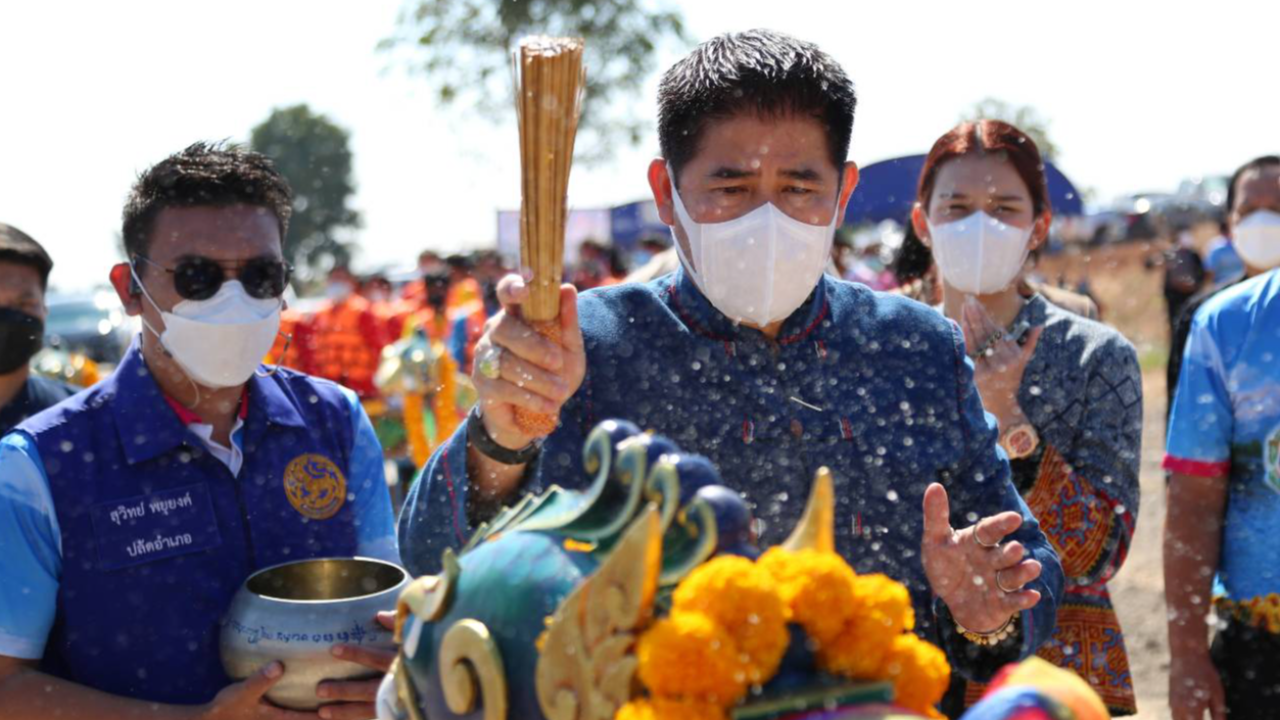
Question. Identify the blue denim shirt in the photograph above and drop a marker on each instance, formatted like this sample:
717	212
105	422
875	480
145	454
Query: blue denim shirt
877	388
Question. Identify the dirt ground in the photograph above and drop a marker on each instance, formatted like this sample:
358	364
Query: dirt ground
1131	300
1138	589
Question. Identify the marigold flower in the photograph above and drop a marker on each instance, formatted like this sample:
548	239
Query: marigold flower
883	600
817	586
690	655
859	650
728	629
919	672
744	599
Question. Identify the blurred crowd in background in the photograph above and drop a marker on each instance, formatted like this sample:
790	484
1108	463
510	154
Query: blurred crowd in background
404	339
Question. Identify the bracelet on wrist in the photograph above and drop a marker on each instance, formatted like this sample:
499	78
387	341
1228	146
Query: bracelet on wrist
478	437
994	637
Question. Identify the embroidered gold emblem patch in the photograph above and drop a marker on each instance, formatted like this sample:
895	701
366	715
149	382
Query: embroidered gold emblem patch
315	486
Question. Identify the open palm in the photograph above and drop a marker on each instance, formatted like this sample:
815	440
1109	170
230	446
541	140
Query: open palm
982	583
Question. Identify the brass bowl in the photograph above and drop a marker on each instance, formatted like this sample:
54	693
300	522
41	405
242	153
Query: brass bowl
297	611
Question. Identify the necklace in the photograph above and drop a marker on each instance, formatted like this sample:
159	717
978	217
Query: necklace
1014	333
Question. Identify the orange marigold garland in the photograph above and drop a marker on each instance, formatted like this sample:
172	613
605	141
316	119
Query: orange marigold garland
743	598
885	601
919	672
880	613
728	630
858	652
690	655
818	588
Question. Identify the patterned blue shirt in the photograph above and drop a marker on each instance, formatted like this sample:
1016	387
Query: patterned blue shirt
875	387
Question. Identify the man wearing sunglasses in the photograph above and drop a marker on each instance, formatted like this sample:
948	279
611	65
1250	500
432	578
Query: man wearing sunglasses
130	514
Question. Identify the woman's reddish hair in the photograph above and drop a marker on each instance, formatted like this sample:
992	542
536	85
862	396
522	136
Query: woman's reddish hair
989	137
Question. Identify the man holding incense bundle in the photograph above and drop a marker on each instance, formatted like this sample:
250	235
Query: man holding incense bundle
751	356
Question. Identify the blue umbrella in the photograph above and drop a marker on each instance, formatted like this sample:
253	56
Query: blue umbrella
887	191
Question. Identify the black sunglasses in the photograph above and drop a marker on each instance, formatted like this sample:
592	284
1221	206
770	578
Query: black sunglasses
198	278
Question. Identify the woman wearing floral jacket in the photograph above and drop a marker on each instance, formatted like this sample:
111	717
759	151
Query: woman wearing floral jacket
1066	391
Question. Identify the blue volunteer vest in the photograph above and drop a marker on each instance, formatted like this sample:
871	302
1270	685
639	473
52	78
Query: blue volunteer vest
157	534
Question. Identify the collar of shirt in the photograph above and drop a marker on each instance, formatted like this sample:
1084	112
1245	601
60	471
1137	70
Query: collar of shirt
1033	312
148	427
231	456
702	317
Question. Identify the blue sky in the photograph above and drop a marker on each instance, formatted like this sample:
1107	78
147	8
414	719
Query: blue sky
1140	95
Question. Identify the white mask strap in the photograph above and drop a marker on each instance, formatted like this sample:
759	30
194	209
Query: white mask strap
194	385
133	272
981	218
288	340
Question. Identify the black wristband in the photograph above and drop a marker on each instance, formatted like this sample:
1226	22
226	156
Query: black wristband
479	438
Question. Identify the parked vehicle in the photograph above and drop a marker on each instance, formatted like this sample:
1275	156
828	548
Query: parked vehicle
94	324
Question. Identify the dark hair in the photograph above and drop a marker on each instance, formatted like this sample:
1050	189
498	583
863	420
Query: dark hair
20	248
484	256
660	241
1256	164
989	137
436	284
913	259
437	278
618	264
759	71
203	175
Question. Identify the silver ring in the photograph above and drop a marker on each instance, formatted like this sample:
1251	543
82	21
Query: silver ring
490	362
978	539
1001	586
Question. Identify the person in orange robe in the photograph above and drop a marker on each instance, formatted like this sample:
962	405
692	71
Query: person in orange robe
343	341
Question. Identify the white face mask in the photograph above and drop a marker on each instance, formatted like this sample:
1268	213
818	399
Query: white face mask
1257	239
979	255
757	268
219	342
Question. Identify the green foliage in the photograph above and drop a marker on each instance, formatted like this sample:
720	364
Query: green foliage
463	48
1026	118
314	155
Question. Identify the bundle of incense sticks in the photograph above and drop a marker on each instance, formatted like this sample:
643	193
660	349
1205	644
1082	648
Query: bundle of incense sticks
549	80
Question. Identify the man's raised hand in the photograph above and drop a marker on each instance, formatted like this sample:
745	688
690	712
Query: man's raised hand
981	578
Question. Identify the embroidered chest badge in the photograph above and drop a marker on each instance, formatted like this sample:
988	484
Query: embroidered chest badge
1271	459
315	486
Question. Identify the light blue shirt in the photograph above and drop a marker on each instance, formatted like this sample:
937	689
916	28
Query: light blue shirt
1226	421
1223	260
